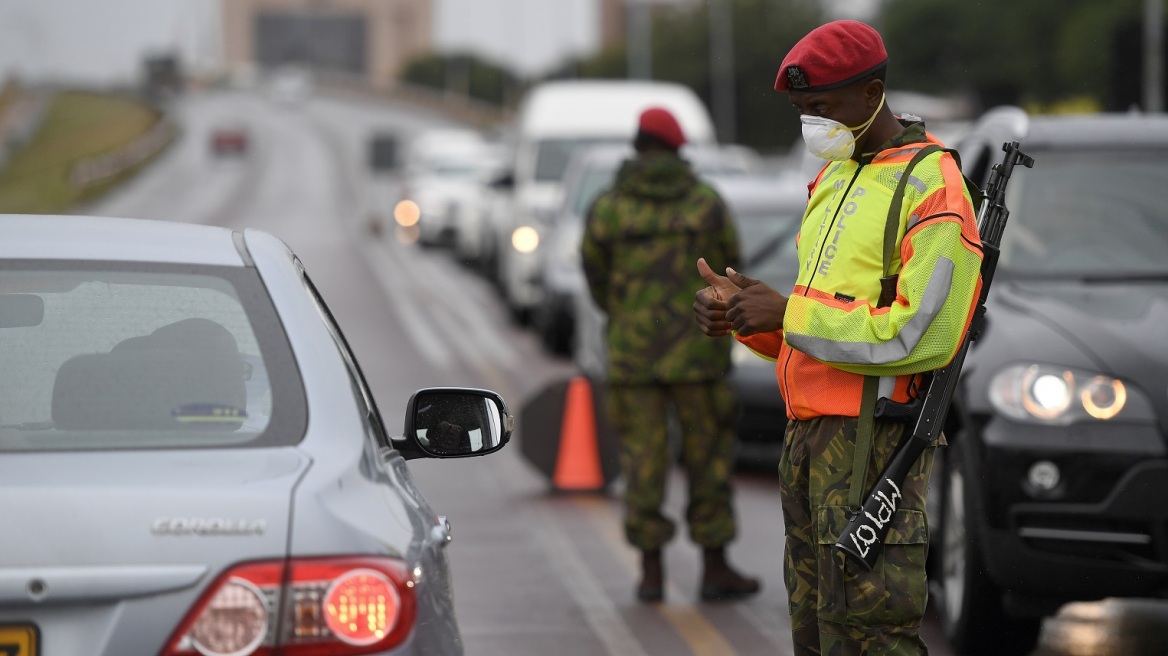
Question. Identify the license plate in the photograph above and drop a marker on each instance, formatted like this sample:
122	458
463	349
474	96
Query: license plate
19	640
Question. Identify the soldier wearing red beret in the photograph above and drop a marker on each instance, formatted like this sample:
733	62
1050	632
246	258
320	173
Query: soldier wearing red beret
889	278
638	240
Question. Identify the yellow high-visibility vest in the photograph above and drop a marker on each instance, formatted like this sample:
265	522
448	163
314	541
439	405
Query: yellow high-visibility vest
833	332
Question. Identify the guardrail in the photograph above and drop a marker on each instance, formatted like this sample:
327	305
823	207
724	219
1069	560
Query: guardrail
99	168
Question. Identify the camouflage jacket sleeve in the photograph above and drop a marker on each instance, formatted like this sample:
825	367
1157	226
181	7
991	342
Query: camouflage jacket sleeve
596	248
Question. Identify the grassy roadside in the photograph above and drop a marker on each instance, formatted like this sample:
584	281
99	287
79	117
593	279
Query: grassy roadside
76	126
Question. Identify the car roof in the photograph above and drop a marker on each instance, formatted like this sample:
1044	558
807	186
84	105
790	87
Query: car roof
582	108
1099	130
611	155
1104	130
49	237
761	193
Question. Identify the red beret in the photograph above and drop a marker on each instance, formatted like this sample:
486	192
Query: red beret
832	56
659	123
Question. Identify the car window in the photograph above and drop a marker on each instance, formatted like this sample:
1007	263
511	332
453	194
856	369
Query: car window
367	406
553	155
146	356
1088	213
593	183
599	179
768	249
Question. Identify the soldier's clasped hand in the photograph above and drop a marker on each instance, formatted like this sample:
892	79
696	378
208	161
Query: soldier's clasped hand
755	308
711	302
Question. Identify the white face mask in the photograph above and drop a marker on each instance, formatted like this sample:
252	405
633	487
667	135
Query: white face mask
832	140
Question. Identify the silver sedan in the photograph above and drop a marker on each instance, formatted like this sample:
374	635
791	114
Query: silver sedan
191	461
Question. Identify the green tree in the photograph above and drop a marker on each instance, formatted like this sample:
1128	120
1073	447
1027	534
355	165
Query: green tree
1035	52
466	75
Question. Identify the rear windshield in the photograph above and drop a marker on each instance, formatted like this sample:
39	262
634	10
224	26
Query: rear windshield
142	356
1088	213
592	184
553	155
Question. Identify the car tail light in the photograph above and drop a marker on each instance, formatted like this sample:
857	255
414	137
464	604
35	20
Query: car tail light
301	607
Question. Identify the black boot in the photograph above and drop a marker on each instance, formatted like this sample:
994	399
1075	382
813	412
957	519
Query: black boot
652	585
721	582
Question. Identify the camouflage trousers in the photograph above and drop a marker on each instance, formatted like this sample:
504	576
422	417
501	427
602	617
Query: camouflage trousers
639	414
838	607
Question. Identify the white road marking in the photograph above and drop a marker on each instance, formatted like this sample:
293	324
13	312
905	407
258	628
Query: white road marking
395	281
599	611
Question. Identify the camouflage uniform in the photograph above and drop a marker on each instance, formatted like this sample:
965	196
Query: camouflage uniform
838	607
640	244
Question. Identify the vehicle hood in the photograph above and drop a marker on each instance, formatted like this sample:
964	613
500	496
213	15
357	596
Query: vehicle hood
106	524
1117	328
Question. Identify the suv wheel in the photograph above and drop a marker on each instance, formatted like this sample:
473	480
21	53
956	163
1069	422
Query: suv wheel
971	611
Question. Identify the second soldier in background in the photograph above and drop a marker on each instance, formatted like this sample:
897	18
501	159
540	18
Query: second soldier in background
638	249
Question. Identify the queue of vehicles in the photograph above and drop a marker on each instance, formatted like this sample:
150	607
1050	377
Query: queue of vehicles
1047	493
1058	443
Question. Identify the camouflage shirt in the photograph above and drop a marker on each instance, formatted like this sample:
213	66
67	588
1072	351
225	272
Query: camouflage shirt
641	243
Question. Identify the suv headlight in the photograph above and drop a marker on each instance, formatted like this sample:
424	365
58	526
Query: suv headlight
1052	395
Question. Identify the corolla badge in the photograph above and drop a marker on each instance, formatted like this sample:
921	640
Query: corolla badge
211	526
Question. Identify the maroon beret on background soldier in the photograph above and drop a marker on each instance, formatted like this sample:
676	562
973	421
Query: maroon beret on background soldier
660	123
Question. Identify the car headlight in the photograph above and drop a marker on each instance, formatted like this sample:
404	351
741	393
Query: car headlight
1047	394
525	239
407	213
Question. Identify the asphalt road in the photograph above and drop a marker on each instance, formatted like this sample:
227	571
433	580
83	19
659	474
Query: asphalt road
535	572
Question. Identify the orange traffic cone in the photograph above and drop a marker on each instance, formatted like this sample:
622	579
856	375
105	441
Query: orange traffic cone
578	460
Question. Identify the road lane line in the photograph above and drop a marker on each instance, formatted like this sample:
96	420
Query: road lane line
394	266
685	617
599	611
472	320
406	309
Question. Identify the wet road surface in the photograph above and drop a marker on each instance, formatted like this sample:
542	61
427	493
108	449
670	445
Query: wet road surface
536	572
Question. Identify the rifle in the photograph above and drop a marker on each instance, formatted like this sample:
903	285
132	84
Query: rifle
867	529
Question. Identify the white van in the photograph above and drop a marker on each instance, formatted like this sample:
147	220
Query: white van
555	119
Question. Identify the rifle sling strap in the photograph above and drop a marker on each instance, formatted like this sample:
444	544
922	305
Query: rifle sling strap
865	427
866	422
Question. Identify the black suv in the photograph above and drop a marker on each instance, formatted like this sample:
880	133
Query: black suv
1055	484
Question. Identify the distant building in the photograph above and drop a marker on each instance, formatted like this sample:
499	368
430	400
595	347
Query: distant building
613	19
369	39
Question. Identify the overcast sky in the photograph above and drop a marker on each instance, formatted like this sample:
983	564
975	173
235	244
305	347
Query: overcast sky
103	40
530	36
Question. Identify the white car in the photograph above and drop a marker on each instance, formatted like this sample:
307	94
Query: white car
445	169
555	120
191	461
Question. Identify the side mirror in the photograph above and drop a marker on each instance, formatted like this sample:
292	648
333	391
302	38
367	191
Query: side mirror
21	310
454	422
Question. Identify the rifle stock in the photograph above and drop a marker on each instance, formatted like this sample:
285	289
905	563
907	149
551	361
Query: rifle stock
868	526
